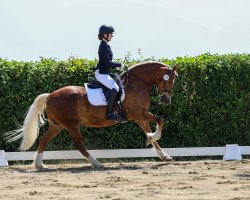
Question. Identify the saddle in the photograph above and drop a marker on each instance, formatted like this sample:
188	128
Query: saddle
94	84
98	95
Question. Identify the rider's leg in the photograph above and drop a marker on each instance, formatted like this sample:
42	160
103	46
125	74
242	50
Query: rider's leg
111	103
106	80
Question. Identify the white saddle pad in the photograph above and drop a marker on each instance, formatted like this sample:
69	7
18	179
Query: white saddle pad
96	96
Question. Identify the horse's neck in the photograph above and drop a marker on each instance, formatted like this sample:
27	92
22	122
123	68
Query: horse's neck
142	78
139	82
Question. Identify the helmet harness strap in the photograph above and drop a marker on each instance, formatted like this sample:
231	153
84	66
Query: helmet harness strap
106	38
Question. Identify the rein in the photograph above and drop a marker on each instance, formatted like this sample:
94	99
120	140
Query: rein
183	83
144	83
161	91
125	79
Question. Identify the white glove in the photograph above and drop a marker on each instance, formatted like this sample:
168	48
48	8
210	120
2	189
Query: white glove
122	66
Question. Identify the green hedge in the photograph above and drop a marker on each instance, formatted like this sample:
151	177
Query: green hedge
213	111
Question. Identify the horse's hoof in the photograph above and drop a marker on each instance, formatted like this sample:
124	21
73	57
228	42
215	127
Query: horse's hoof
99	166
41	167
167	158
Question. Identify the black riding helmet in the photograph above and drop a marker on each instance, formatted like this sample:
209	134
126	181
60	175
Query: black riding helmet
104	29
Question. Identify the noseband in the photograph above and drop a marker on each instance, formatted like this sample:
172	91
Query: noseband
165	79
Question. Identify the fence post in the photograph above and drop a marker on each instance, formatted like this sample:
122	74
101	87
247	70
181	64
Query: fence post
232	152
3	161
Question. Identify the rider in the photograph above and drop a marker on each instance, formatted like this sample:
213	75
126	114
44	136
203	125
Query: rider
102	73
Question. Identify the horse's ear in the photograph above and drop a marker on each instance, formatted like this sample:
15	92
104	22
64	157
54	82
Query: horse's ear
175	68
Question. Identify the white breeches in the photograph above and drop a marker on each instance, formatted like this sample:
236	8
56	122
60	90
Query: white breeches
106	80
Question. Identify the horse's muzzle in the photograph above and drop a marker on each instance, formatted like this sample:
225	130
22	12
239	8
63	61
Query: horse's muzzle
165	98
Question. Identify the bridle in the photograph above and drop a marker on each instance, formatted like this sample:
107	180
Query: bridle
165	79
161	91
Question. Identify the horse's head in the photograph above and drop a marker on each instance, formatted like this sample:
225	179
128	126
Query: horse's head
155	73
165	83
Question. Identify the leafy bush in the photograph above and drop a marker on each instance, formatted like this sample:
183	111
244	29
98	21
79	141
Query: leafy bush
212	111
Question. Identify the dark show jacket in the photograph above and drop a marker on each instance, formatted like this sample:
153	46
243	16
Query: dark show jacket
105	59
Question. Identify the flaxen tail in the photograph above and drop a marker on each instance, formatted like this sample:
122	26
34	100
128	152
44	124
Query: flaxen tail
33	121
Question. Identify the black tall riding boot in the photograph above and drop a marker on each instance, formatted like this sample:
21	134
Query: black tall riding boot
111	103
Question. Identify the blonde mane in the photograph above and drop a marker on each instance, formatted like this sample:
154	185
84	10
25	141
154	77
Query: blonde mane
148	62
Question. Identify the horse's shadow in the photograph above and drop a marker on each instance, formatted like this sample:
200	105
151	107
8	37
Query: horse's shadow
89	169
83	169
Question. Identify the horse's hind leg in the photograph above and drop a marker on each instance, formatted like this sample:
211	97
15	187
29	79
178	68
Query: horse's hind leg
52	131
146	129
77	138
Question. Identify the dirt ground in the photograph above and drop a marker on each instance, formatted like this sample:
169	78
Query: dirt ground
207	179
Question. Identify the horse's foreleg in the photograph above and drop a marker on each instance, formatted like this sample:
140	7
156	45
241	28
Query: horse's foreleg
148	117
163	156
146	129
76	135
52	131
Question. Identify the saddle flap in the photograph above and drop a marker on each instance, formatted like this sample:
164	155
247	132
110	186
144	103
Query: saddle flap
94	84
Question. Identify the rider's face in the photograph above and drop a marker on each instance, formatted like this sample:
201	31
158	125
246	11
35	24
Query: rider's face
110	36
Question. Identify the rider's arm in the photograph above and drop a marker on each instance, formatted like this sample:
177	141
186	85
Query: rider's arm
104	53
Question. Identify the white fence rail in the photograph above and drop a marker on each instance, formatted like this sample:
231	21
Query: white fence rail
126	153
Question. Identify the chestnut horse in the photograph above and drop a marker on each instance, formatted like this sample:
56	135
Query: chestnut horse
68	108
